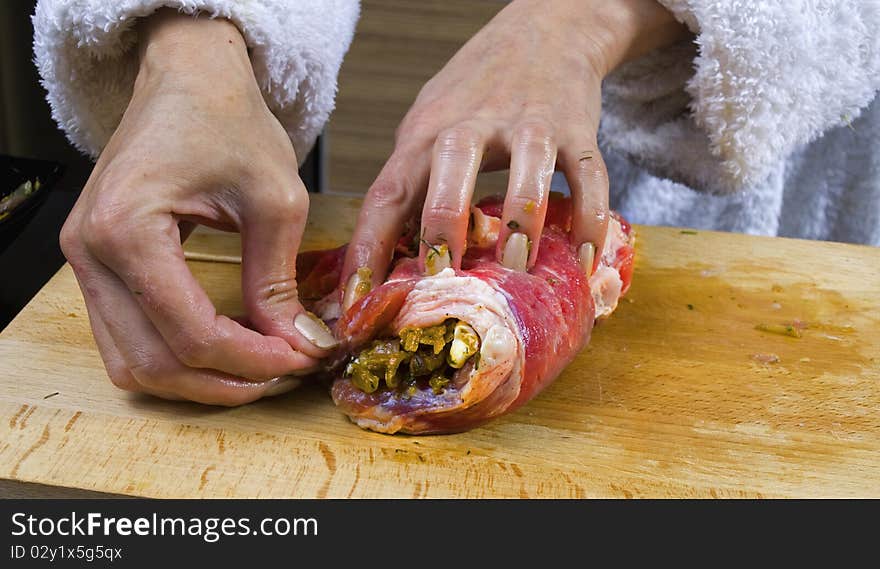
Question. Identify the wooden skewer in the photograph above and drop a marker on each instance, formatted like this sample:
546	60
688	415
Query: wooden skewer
211	258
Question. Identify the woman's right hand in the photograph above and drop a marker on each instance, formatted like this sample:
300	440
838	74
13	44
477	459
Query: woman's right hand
523	94
197	144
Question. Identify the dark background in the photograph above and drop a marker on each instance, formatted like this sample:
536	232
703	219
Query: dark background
27	130
480	533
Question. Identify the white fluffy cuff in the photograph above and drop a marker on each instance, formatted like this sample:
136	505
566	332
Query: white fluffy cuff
83	50
762	79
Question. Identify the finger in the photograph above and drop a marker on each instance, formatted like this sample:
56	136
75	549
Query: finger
149	259
390	204
532	160
455	163
271	233
587	178
114	363
152	363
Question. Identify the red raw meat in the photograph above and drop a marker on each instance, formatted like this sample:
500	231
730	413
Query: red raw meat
531	325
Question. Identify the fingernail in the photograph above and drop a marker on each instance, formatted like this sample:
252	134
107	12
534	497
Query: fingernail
586	254
359	284
437	259
314	329
516	252
283	385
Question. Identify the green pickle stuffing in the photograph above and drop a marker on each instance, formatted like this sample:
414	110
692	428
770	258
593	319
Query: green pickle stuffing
430	355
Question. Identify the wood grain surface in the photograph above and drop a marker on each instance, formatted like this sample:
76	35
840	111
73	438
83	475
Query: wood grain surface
678	395
398	46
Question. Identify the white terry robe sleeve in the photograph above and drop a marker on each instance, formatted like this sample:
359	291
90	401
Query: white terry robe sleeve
85	53
761	79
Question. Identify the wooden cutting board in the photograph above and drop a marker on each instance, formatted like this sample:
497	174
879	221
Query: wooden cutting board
677	395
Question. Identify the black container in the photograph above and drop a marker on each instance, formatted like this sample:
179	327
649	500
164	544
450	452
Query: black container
13	173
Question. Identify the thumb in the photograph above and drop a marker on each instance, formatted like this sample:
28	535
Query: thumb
271	236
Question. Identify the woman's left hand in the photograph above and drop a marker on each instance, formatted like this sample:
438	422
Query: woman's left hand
523	93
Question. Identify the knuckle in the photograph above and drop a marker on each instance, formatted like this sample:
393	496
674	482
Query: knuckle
415	122
518	203
388	194
594	169
598	177
275	290
535	132
148	372
103	229
71	242
443	213
166	381
192	349
590	167
284	201
461	138
122	378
